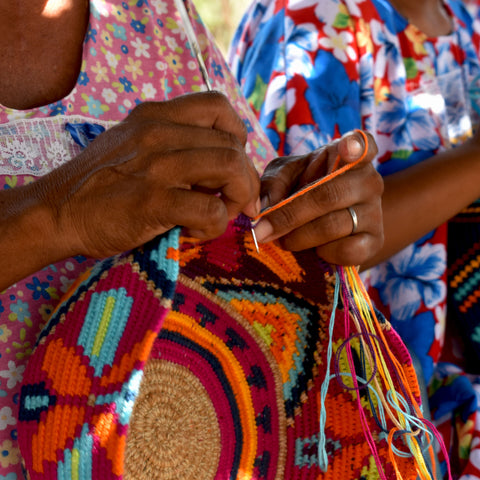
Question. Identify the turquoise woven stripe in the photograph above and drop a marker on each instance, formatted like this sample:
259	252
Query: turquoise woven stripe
468	287
104	325
77	464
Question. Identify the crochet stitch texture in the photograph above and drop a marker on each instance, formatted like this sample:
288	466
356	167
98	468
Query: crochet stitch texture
231	346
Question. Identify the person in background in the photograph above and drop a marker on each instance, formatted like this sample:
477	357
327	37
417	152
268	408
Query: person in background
408	72
101	150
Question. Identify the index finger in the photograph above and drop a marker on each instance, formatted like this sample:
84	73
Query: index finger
203	109
338	169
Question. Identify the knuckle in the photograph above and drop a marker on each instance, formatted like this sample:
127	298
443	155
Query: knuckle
332	194
231	162
219	102
380	240
376	216
283	218
148	134
213	211
274	168
374	179
355	252
142	109
244	131
379	183
218	99
236	146
214	99
332	223
236	169
154	204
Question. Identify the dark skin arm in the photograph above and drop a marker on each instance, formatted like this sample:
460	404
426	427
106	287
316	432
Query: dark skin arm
156	170
414	202
180	162
427	195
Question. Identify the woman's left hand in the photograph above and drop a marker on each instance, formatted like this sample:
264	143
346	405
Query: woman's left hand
321	218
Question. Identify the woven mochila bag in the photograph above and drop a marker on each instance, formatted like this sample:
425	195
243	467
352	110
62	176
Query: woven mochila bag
210	360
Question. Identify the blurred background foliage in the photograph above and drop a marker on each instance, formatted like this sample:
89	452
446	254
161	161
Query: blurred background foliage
222	18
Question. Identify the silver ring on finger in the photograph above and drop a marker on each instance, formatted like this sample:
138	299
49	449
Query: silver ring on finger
353	214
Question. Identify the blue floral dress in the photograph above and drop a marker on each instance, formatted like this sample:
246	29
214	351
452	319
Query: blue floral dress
314	69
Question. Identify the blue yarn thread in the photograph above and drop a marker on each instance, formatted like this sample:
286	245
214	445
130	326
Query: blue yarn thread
412	422
322	440
414	425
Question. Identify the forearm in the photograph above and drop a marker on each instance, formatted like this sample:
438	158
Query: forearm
422	197
28	238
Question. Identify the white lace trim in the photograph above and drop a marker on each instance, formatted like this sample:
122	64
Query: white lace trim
38	145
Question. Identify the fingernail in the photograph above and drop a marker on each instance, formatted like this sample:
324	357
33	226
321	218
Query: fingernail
263	230
354	147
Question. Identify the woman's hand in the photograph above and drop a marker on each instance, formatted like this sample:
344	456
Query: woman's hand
180	162
320	218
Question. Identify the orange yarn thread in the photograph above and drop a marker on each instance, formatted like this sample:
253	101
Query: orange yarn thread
354	279
335	173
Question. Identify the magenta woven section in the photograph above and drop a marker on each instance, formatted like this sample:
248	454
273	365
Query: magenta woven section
250	329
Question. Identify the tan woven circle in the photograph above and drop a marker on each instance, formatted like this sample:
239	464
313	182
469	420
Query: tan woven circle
174	433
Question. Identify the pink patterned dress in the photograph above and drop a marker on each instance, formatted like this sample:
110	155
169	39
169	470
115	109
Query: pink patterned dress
134	51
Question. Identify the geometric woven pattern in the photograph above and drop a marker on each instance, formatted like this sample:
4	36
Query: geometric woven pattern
196	360
88	365
464	281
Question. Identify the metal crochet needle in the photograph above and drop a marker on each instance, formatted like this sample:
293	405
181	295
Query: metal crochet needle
255	239
192	40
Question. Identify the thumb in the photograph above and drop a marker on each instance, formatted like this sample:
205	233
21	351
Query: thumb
352	146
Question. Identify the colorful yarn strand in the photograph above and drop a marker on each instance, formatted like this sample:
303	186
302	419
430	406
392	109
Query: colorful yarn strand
361	323
397	404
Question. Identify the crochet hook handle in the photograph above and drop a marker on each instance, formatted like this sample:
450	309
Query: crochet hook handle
192	40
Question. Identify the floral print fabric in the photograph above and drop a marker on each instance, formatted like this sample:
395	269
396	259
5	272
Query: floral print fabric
134	51
313	70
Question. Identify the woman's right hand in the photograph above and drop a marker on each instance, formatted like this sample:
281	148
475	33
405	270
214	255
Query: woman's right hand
179	162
